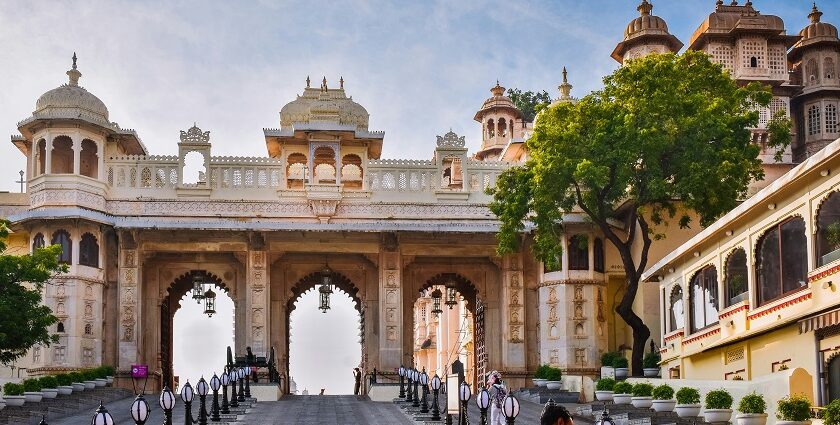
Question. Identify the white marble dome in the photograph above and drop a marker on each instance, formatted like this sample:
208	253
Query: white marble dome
71	101
324	105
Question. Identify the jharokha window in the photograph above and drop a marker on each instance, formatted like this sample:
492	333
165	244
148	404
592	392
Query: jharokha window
704	298
677	308
777	278
828	230
38	241
61	237
578	253
89	251
736	277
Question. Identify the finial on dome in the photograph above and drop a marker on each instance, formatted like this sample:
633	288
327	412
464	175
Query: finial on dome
74	73
498	90
341	82
815	14
565	88
719	3
645	8
565	80
74	53
734	3
324	84
307	81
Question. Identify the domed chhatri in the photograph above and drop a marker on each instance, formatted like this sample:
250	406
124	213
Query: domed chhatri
816	32
644	35
324	105
71	101
497	100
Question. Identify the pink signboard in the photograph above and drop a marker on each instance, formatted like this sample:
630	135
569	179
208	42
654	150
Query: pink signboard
139	371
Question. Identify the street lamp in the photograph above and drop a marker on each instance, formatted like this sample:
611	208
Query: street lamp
198	287
240	373
102	417
605	418
187	395
225	382
510	408
482	399
139	410
464	394
248	381
215	384
436	296
201	388
167	403
424	382
326	288
416	378
409	375
451	296
233	376
210	302
401	372
435	390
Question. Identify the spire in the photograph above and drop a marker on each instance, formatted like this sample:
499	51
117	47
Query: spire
341	82
324	84
815	14
645	7
565	88
498	90
565	75
74	73
307	81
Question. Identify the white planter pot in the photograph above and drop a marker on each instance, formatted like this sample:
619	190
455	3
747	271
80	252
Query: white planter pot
65	389
663	405
621	372
717	415
793	422
110	379
651	372
78	386
539	382
33	396
50	392
642	402
14	400
622	398
751	418
89	385
604	395
687	410
101	382
2	404
554	385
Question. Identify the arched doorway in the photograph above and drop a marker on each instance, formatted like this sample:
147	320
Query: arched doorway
182	285
834	379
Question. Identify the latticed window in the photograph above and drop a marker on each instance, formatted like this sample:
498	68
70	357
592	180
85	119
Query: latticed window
704	298
777	59
814	126
146	177
831	118
778	104
725	56
753	54
828	69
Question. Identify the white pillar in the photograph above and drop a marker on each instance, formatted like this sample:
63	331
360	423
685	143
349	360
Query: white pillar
391	317
48	147
257	301
77	148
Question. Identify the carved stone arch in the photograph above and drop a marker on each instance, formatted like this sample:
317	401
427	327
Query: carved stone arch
182	284
312	280
463	285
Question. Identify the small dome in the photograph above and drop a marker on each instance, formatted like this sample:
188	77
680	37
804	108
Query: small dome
645	22
324	104
498	100
816	28
71	100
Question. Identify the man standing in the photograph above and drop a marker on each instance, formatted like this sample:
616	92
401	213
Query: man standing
497	397
357	375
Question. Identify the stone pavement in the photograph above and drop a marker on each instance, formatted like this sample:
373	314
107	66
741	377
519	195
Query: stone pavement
327	409
120	412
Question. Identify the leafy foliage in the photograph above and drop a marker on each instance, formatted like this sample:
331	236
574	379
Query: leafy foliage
530	103
76	377
752	403
623	388
554	374
831	414
642	389
688	395
794	408
10	388
651	360
24	321
48	382
642	150
31	385
63	379
542	371
608	358
620	362
605	384
663	392
719	399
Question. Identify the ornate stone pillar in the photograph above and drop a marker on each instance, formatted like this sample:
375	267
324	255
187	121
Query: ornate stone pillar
257	296
77	150
391	304
513	314
48	147
129	293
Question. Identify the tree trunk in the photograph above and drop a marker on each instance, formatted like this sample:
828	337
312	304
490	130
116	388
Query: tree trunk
641	332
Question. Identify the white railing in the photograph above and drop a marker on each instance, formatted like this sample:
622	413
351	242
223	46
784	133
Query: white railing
242	172
402	176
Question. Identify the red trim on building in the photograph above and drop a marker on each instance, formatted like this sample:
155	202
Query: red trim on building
726	314
701	336
824	273
673	336
780	306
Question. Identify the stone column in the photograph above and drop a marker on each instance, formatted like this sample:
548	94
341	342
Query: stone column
391	304
48	147
257	297
77	149
513	314
129	304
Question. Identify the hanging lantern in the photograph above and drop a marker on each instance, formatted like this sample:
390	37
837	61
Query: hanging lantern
198	288
436	296
451	297
210	303
326	289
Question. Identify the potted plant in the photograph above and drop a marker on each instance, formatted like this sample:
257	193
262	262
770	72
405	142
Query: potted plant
49	386
642	395
604	389
607	360
753	410
89	379
620	364
32	390
663	398
77	381
554	379
832	238
718	406
831	414
794	410
622	393
540	375
651	364
109	373
100	377
65	384
688	402
13	394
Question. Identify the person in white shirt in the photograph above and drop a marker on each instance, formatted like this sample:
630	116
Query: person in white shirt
498	392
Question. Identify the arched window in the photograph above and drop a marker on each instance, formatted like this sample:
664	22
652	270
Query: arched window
598	253
61	237
811	72
296	170
491	130
324	162
814	126
777	278
502	127
828	230
578	252
41	157
89	251
62	155
38	241
704	298
89	159
60	327
736	277
351	171
677	308
753	62
828	68
831	126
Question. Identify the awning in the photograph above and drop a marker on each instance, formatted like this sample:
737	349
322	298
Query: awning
820	321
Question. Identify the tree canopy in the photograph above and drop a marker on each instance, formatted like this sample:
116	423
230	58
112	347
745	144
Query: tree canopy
666	131
529	102
24	320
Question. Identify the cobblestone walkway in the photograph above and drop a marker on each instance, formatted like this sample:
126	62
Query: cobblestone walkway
326	409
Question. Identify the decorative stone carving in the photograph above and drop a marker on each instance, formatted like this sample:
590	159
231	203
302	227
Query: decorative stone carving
195	135
323	208
552	313
130	276
580	356
257	276
554	357
88	292
88	310
391	315
578	293
451	140
391	297
391	333
257	316
552	295
391	279
257	296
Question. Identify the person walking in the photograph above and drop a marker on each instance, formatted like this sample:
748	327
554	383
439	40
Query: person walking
357	375
498	392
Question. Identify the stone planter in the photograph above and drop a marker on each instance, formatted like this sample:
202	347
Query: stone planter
751	418
78	386
663	405
554	385
65	389
642	402
539	382
33	396
14	400
50	392
2	404
687	410
101	382
651	372
621	372
110	380
604	395
89	385
717	415
787	422
622	398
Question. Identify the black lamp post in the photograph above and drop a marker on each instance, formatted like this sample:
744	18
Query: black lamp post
187	396
201	388
233	375
408	376
482	399
102	417
43	418
435	390
139	410
215	384
167	403
241	374
225	382
248	381
464	395
326	288
416	377
510	408
605	418
401	372
424	383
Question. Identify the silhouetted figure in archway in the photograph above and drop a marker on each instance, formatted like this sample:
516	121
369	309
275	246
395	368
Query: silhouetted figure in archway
357	375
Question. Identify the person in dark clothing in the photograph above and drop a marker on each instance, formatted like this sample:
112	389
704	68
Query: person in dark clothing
555	414
357	375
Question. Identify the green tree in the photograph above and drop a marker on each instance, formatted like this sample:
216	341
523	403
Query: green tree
667	136
24	320
529	102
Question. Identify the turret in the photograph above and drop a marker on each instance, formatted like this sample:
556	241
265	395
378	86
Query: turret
645	35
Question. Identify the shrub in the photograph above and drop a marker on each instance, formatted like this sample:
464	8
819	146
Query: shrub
48	382
31	385
89	374
831	414
605	384
794	408
620	362
108	370
554	374
623	388
12	389
642	389
663	392
76	377
738	378
542	371
752	403
688	395
651	360
100	372
719	399
608	358
63	379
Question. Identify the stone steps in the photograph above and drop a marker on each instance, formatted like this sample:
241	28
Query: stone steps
541	395
61	406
